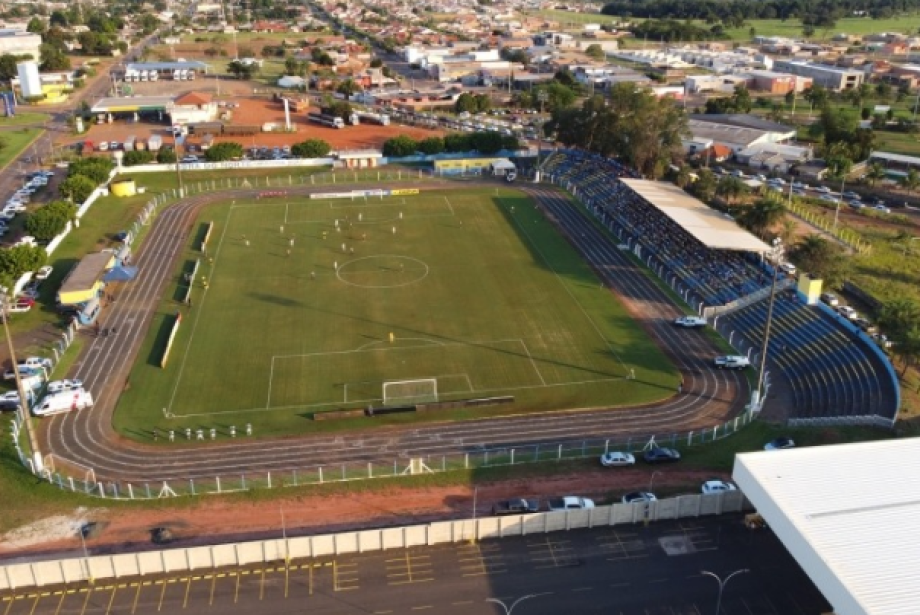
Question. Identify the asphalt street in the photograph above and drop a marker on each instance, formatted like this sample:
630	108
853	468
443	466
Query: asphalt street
624	570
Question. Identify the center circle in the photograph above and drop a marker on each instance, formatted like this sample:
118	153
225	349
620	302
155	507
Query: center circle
382	271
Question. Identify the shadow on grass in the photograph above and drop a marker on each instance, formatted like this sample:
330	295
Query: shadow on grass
162	338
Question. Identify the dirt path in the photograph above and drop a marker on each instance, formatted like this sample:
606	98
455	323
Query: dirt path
210	521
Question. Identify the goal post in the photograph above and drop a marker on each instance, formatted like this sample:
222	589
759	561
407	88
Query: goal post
408	392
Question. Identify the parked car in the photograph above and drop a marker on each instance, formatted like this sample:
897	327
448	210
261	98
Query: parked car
881	208
717	486
799	192
788	268
732	362
638	496
617	459
690	322
190	158
823	190
25	302
847	312
856	205
830	299
849	194
569	502
515	506
865	325
780	443
661	455
829	198
56	386
44	272
24	372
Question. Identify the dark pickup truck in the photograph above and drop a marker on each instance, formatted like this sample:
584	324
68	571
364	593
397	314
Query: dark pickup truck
517	506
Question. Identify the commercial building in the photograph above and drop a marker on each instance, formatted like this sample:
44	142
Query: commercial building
776	82
830	77
735	131
84	282
17	43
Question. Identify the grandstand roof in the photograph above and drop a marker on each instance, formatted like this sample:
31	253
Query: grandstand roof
847	514
710	227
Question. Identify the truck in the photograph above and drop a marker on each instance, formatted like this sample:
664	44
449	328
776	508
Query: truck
332	121
183	75
154	143
176	74
153	75
65	401
143	75
366	117
191	75
129	143
515	506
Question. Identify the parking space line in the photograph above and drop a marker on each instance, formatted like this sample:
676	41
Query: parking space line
188	589
340	576
461	602
38	597
108	609
310	580
287	579
213	587
476	560
623	545
137	596
262	586
86	600
60	603
162	595
236	592
10	605
422	608
552	554
409	569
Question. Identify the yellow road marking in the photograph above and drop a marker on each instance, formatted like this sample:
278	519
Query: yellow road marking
111	600
188	588
213	585
10	605
236	593
262	586
60	603
162	594
410	582
86	602
35	604
137	596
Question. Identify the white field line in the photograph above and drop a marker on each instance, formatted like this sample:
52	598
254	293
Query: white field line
271	375
449	206
198	312
426	345
532	362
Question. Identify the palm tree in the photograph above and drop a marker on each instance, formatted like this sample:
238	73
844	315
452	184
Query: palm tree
762	215
787	230
875	173
731	188
911	181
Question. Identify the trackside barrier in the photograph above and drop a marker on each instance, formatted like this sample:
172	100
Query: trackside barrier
367	470
91	569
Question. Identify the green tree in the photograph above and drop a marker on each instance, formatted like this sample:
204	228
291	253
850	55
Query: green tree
704	188
96	168
52	59
311	148
8	68
36	26
911	181
50	221
137	157
731	188
242	70
875	173
817	96
595	52
228	150
399	147
166	155
760	217
431	145
822	259
486	142
458	142
348	88
77	187
465	103
900	319
741	99
18	260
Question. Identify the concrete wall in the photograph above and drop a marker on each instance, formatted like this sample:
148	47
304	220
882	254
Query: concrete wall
98	567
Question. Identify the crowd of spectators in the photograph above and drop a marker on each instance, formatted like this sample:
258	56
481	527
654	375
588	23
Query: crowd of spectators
717	276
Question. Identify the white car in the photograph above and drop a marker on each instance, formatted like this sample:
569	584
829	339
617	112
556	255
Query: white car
829	198
823	190
638	496
44	272
717	486
788	268
732	362
847	312
56	386
617	459
569	502
690	322
830	299
881	208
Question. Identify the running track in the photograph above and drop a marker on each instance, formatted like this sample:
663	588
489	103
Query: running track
87	438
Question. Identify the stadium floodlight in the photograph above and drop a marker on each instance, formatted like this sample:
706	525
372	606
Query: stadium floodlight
407	392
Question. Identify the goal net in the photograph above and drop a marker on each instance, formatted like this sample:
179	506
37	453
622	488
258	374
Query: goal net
407	392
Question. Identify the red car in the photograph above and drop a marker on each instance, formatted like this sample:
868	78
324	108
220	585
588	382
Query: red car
24	302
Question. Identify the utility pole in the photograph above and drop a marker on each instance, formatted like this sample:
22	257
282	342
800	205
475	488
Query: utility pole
25	416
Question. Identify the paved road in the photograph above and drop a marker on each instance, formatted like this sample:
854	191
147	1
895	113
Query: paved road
624	570
87	437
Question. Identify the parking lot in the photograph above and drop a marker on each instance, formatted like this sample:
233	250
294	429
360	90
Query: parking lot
613	570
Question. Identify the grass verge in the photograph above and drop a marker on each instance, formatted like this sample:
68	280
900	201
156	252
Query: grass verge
15	142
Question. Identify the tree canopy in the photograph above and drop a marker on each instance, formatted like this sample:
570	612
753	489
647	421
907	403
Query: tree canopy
46	223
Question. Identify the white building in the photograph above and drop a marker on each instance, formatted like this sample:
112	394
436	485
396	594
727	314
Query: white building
18	43
30	82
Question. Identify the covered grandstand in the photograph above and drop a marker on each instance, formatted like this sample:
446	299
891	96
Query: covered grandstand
830	373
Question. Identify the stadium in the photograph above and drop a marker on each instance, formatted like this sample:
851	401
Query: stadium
305	304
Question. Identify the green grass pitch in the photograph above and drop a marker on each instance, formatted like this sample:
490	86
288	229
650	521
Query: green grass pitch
478	290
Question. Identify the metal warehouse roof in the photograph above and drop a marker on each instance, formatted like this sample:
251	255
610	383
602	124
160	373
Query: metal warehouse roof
890	157
132	103
848	513
712	228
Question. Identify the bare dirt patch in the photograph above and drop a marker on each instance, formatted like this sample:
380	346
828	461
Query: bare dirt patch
212	520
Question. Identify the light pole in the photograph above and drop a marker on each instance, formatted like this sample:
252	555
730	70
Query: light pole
843	181
651	479
542	96
509	609
25	416
722	584
761	379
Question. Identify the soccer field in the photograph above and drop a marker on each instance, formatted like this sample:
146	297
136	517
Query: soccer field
312	305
